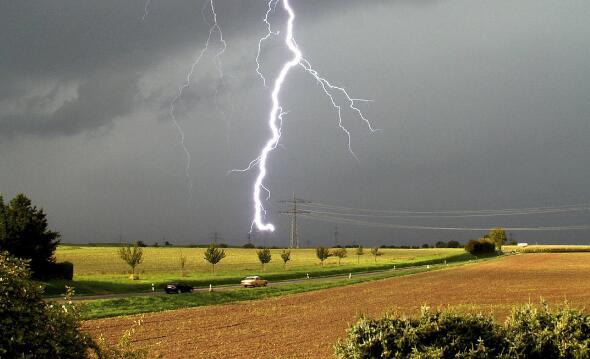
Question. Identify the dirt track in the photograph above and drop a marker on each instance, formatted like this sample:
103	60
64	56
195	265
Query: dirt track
307	325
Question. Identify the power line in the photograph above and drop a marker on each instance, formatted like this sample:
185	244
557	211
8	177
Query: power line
325	218
467	212
379	215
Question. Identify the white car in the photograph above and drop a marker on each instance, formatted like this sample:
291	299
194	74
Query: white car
254	281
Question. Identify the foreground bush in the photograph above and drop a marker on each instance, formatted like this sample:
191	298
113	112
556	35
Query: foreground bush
33	328
529	332
30	327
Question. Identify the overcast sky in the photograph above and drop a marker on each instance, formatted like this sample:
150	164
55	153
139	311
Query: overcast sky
482	105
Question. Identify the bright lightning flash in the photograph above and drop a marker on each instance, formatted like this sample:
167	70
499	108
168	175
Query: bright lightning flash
276	112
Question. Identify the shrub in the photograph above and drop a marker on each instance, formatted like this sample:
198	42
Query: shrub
529	332
544	332
30	327
61	270
124	348
453	244
481	246
432	335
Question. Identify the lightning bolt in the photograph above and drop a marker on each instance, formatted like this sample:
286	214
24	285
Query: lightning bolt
272	4
213	28
145	10
276	112
275	117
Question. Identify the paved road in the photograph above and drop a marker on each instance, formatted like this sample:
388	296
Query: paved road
226	287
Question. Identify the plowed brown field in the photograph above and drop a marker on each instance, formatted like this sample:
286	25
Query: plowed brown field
307	325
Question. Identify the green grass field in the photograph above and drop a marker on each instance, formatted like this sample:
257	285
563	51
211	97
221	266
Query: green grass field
99	270
102	308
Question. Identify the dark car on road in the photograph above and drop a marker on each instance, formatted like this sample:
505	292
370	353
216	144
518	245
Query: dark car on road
172	288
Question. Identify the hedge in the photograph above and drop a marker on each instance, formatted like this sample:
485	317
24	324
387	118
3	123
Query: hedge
529	332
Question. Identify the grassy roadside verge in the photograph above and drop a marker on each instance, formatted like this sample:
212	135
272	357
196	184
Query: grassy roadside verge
102	308
91	287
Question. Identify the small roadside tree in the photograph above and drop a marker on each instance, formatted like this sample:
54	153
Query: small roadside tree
498	236
285	256
182	259
133	256
375	252
359	252
322	253
214	255
340	253
264	256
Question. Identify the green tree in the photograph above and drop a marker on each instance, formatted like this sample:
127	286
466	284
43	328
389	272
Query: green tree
285	256
481	246
375	252
133	256
498	236
454	244
322	253
340	253
214	255
182	264
264	256
24	233
359	252
32	327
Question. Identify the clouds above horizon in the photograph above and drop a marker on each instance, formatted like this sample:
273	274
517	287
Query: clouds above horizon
482	105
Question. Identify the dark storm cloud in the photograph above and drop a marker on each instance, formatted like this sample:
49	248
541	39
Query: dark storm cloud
99	100
482	105
69	40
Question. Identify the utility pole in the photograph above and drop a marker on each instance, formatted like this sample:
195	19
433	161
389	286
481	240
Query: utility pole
215	237
294	243
294	235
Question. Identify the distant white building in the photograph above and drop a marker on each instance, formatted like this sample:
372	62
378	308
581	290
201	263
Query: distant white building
523	244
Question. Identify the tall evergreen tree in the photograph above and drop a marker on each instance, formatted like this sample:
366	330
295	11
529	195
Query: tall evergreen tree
24	233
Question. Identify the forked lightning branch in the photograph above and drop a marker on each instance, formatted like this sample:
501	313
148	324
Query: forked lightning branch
260	192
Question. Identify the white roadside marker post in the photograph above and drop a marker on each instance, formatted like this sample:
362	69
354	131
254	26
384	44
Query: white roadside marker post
153	287
210	288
